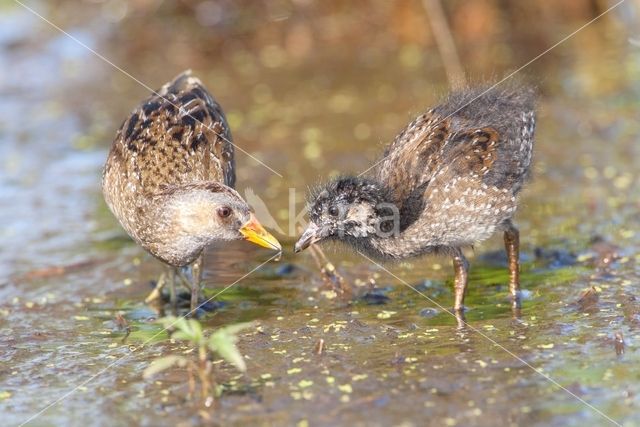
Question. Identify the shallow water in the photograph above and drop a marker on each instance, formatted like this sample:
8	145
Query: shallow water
310	92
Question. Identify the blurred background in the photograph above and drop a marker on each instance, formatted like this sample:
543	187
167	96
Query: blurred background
313	88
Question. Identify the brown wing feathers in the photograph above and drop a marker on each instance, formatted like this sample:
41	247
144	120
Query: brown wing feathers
179	135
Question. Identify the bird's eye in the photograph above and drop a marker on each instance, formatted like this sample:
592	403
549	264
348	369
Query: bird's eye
333	211
386	226
224	212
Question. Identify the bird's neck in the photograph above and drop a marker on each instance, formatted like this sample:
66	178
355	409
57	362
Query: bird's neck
164	235
395	243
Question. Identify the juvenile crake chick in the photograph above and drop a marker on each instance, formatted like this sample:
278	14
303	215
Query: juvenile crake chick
450	179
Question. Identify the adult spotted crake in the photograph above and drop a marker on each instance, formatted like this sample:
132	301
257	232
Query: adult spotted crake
169	179
450	179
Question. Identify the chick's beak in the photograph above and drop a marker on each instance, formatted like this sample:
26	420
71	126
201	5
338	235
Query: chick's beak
254	232
309	237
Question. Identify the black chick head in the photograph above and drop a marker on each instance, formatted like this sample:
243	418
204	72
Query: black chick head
348	208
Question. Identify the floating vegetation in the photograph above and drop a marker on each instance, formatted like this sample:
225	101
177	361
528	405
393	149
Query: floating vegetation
307	78
588	299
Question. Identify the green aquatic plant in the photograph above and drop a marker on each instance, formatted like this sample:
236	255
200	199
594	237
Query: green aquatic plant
221	342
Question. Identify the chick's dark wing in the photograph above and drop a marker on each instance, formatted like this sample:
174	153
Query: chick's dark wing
411	160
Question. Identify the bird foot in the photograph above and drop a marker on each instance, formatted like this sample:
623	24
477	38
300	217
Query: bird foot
154	296
202	304
156	293
460	317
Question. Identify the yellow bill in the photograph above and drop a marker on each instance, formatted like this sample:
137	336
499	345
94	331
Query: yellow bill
254	232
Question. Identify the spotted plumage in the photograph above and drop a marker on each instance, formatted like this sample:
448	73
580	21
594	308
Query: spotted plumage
178	135
170	174
451	178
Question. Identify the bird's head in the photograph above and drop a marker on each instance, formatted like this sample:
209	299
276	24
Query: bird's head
348	208
199	214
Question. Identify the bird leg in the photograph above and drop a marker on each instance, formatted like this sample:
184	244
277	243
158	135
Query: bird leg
512	246
173	296
196	279
192	279
461	269
156	293
461	321
166	278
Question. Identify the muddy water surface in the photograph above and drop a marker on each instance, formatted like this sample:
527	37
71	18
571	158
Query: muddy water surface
309	106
